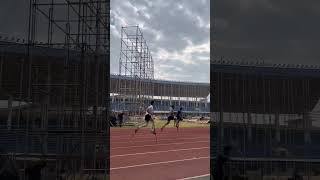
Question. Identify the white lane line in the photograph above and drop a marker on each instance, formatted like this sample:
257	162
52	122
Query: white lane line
155	152
194	177
165	144
156	163
127	137
152	139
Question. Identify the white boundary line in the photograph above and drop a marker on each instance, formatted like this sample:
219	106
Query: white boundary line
155	152
166	144
152	139
194	177
126	137
156	163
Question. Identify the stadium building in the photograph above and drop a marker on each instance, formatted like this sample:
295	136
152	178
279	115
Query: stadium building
191	96
269	115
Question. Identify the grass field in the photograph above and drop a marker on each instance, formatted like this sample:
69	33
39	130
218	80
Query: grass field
183	124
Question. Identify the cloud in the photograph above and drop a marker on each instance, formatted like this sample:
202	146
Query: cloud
176	31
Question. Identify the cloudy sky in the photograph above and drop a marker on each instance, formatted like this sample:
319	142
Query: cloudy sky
285	31
177	31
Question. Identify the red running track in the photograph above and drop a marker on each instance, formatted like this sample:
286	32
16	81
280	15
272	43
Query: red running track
175	155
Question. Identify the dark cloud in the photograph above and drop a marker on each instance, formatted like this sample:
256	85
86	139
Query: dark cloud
277	31
175	28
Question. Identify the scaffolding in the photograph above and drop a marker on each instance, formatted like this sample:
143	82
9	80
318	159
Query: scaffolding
136	63
55	91
268	114
192	96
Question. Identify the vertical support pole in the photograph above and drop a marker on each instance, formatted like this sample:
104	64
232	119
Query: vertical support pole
307	125
220	123
306	118
249	118
277	126
9	121
171	92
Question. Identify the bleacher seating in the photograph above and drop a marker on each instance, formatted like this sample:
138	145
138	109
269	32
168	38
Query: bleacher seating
164	106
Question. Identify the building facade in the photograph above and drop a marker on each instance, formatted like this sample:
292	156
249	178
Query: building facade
269	115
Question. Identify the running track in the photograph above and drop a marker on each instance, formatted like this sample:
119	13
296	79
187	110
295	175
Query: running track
175	155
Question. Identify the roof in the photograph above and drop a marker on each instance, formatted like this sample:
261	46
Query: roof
261	88
114	76
15	104
284	70
39	50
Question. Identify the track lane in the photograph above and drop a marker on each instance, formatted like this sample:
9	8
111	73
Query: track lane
157	147
175	156
164	171
157	157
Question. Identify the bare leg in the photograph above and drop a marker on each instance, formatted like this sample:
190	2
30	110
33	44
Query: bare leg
165	125
177	125
153	129
145	124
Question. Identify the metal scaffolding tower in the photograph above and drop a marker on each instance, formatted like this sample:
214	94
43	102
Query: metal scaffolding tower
135	62
57	91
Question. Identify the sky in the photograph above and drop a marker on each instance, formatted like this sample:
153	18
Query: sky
274	31
281	32
177	33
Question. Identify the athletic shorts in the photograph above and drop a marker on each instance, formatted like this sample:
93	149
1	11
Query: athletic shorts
147	117
179	118
170	118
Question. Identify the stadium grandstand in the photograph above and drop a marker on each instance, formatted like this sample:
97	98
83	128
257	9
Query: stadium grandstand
192	96
269	115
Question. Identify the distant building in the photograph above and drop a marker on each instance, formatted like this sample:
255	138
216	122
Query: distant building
189	95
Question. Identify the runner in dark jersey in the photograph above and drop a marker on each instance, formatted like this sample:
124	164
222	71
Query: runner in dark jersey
170	117
120	118
179	118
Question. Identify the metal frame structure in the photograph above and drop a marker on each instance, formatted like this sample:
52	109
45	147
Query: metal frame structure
57	91
267	113
135	62
189	95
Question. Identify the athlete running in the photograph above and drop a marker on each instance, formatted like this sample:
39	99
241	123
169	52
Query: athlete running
170	117
179	117
148	118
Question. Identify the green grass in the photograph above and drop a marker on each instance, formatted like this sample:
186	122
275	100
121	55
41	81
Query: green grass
182	124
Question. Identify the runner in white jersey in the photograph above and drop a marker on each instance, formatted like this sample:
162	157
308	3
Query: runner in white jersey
170	117
148	118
